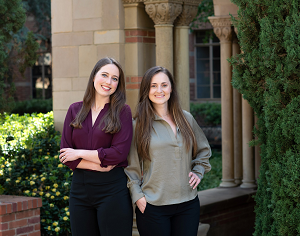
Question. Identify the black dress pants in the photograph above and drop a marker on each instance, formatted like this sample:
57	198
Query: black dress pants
169	220
100	204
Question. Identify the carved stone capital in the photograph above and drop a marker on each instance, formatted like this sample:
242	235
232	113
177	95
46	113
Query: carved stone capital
163	12
223	33
222	28
187	15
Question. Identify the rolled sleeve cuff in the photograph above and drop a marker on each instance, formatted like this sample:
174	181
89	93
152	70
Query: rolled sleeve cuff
101	156
73	164
136	192
199	171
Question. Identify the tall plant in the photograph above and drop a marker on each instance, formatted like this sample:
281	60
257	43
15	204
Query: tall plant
17	49
267	74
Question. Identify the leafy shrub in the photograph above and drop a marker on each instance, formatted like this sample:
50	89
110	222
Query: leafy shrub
33	106
206	114
30	167
267	74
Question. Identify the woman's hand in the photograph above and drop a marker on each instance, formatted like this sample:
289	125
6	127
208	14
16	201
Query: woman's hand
194	180
141	204
68	154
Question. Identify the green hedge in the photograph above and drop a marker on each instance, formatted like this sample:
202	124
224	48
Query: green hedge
32	106
206	114
30	166
267	74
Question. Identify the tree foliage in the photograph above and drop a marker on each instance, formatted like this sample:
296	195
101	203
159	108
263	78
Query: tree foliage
17	49
41	11
267	74
205	9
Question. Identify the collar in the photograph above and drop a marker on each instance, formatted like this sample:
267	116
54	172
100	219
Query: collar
156	118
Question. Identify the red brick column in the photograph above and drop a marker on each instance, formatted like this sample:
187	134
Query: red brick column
20	216
138	36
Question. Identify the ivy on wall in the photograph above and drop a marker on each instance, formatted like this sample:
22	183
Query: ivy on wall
205	9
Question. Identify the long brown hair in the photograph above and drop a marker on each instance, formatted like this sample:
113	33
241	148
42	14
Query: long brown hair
117	100
145	114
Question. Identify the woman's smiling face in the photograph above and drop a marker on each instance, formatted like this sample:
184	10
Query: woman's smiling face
106	80
160	89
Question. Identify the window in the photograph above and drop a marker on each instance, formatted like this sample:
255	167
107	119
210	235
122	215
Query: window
208	66
42	77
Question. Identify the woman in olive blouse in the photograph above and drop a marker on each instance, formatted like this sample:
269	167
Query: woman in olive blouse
168	157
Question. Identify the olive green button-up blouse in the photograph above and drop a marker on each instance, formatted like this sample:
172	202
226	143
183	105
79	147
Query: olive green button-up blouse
165	178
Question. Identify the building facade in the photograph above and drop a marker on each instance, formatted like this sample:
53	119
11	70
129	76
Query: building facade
144	33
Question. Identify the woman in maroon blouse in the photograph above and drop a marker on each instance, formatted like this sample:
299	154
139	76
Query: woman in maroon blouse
95	143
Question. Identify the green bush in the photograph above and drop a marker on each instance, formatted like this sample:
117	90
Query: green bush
30	166
267	74
33	106
206	114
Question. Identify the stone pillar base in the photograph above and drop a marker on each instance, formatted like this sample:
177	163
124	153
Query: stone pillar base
248	184
238	181
228	183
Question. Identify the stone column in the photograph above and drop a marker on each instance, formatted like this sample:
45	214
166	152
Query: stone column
163	13
139	48
222	28
181	51
248	157
237	123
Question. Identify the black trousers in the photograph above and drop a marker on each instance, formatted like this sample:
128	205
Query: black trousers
100	204
169	220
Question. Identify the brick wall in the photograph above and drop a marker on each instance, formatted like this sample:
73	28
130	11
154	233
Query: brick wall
23	84
23	92
20	216
143	37
139	36
133	82
192	92
235	221
228	211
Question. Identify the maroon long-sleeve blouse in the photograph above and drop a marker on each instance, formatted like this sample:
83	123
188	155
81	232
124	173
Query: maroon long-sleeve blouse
112	148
